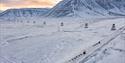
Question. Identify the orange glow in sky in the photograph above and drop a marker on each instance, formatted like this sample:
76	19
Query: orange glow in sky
7	4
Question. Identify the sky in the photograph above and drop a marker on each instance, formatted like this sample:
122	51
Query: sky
7	4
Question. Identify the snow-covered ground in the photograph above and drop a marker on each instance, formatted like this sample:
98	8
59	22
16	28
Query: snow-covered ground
114	52
52	43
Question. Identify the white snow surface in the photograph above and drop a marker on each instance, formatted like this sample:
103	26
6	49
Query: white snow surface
114	52
22	42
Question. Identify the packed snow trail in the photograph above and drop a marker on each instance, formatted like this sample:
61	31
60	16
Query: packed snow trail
86	53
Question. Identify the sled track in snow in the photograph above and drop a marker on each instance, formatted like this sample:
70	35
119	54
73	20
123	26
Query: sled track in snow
87	53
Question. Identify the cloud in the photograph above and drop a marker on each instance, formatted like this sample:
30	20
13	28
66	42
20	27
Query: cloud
5	4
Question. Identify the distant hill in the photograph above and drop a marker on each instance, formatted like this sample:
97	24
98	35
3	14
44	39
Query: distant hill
1	11
24	12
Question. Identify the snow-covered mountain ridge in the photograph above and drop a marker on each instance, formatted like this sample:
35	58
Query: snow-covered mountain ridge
24	12
84	8
79	8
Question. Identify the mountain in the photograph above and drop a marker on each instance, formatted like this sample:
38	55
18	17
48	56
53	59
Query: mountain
84	8
24	12
77	8
1	11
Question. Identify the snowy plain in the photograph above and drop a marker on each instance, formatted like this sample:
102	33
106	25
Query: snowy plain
28	42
